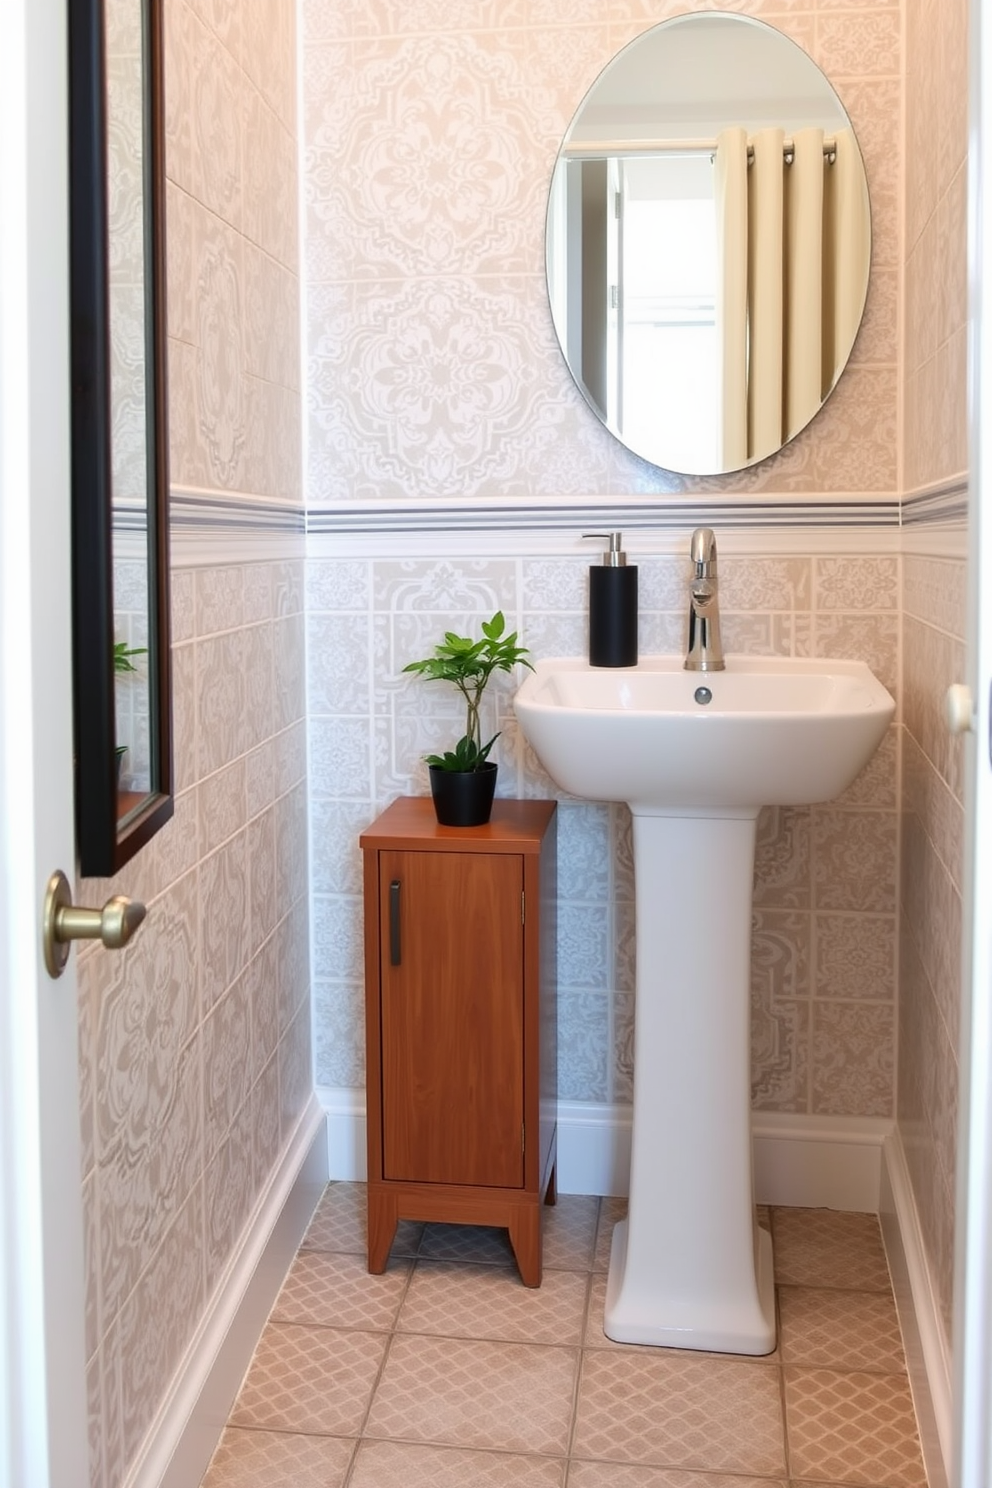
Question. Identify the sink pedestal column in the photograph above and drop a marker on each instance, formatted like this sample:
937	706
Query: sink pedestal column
689	1267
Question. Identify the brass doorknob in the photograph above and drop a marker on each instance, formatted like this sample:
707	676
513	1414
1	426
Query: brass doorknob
114	924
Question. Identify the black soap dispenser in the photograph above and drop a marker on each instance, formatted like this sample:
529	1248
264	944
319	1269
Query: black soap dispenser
612	607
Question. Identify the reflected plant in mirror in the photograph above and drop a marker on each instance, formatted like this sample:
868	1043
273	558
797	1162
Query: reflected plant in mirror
708	243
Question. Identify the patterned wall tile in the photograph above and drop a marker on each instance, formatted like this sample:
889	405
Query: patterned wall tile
780	1053
854	859
295	1072
853	1059
583	1038
339	1041
224	908
782	858
337	936
439	177
171	1293
227	1065
855	957
221	805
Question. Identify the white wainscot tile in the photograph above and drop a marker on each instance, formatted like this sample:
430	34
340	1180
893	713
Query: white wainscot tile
556	583
260	778
341	758
583	852
338	656
548	634
223	914
337	584
663	582
339	1031
228	1193
583	1046
291	844
257	592
295	1071
583	935
452	591
336	859
227	1068
221	701
219	599
290	749
623	1047
288	661
158	1323
337	936
221	804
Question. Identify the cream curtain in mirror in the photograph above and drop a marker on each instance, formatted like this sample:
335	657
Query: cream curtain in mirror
793	254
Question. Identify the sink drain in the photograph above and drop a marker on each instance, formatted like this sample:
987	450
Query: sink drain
703	695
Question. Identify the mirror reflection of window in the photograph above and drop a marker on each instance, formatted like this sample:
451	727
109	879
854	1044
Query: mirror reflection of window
668	295
129	389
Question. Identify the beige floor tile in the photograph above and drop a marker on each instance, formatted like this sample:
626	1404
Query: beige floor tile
570	1232
339	1223
852	1428
269	1459
825	1248
840	1329
337	1291
481	1245
622	1475
610	1211
386	1464
316	1380
457	1301
514	1397
595	1338
675	1410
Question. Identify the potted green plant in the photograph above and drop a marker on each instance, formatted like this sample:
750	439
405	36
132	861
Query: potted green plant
463	779
123	654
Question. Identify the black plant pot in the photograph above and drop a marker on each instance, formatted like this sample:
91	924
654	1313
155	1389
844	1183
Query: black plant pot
463	798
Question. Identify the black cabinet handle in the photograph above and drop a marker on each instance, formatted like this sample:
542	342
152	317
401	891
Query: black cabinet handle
394	922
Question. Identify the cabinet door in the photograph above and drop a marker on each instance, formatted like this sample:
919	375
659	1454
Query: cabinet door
452	1020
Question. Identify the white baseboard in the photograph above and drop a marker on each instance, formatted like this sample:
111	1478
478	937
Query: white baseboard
927	1354
822	1162
184	1434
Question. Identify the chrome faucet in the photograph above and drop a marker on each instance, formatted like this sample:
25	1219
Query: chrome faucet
704	653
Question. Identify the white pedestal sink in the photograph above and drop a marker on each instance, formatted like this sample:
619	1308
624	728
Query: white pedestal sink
696	755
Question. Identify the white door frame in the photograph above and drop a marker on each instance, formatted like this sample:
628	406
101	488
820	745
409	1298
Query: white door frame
42	1352
972	1465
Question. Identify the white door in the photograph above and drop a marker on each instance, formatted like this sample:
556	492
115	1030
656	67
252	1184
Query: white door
42	1365
973	1303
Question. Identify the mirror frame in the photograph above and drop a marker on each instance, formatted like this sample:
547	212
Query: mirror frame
105	839
609	150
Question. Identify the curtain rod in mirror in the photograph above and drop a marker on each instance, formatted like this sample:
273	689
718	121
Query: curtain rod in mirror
606	149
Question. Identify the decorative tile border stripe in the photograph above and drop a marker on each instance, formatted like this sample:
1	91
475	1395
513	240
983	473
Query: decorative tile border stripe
564	514
191	510
946	503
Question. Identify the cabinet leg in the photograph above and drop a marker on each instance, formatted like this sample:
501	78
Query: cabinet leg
382	1221
525	1237
551	1192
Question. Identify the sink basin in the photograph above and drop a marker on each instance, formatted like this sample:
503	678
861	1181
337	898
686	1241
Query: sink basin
776	731
696	755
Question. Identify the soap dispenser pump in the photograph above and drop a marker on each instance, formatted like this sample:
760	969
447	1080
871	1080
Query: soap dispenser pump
612	606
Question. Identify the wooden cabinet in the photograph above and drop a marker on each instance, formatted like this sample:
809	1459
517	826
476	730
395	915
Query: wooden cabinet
461	1028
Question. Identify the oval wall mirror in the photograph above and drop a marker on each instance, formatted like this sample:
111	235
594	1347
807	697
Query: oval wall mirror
708	243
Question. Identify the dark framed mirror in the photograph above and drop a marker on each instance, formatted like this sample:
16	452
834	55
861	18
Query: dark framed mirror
120	527
708	243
